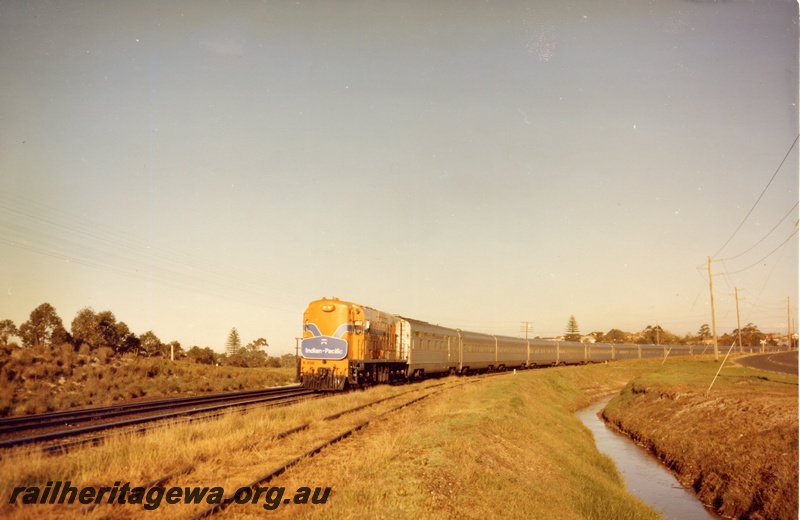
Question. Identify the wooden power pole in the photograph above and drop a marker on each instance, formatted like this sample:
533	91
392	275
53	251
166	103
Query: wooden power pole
738	321
713	316
526	326
789	320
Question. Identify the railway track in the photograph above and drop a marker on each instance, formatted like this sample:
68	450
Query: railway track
278	441
290	447
59	426
267	478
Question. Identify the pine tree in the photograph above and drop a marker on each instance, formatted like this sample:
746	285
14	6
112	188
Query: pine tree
234	343
572	333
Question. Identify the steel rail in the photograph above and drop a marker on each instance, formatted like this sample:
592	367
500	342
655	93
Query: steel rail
228	500
291	431
21	423
140	420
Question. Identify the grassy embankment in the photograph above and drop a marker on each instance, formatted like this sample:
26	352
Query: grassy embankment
737	447
501	446
43	379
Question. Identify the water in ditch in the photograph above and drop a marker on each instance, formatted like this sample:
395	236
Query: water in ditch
644	476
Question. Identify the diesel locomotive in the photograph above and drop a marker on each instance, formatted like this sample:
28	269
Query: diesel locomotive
349	345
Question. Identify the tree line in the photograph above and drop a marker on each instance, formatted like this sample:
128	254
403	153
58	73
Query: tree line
101	333
655	335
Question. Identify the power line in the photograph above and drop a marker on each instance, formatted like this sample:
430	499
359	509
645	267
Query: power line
759	197
765	257
28	225
765	236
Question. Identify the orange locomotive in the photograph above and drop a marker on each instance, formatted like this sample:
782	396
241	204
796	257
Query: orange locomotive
350	345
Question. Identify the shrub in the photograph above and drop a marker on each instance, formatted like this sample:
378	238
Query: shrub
104	354
6	400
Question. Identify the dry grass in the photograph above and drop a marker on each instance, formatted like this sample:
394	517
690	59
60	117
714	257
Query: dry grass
737	447
210	445
505	445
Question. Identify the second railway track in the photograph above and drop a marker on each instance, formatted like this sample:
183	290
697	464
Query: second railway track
16	431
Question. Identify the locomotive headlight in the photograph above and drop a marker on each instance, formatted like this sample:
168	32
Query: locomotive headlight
327	307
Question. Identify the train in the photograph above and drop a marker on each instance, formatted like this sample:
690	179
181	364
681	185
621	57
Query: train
347	345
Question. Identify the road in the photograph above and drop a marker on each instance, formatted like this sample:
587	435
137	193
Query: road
785	362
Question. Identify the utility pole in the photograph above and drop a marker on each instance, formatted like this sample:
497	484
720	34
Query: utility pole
527	327
297	356
713	316
789	320
738	322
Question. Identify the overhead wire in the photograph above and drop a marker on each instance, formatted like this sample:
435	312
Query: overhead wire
778	169
755	304
764	285
100	235
781	245
27	225
765	236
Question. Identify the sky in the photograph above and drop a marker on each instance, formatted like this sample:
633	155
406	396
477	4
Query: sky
201	165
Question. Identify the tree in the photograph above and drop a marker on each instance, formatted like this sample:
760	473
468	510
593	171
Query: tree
174	348
128	342
7	329
102	330
704	333
653	335
656	336
97	329
44	327
251	355
615	336
260	342
150	345
107	329
234	343
203	356
572	332
83	327
751	336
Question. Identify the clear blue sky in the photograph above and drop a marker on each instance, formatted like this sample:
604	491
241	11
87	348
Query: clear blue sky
195	166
